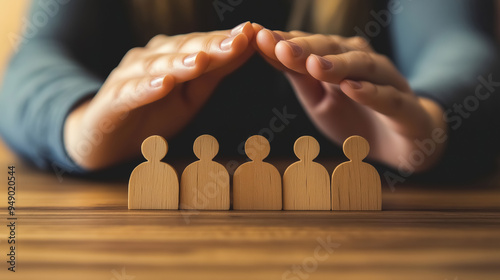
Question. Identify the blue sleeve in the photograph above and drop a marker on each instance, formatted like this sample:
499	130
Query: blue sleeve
59	63
447	56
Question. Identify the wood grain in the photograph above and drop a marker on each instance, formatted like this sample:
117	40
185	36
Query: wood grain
306	184
205	183
355	184
77	228
257	184
154	184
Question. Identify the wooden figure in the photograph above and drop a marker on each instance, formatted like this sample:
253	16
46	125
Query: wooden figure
306	184
153	184
356	184
205	183
257	184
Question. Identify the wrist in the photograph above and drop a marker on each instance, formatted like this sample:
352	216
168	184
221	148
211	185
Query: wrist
433	145
72	132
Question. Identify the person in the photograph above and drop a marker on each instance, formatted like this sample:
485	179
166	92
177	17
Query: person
87	88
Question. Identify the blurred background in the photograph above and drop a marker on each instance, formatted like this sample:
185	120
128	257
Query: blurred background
11	15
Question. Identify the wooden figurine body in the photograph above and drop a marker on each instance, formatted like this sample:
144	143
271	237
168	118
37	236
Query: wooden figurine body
205	183
153	184
355	184
257	184
306	184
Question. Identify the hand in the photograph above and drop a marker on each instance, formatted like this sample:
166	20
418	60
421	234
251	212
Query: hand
347	89
154	90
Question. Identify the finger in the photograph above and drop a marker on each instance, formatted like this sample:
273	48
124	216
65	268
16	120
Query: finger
215	41
256	27
165	43
220	49
117	100
265	44
169	43
293	53
266	41
221	46
356	65
359	43
183	67
230	66
400	108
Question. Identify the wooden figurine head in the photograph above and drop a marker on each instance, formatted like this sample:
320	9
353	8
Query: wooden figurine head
206	147
306	148
356	148
154	148
257	148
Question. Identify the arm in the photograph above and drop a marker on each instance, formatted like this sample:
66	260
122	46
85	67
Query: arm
57	65
448	57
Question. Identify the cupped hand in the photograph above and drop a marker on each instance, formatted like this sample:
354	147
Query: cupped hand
156	89
347	89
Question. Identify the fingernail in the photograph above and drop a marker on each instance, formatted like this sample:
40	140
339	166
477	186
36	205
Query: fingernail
190	60
277	36
296	49
156	82
324	63
354	84
238	29
227	43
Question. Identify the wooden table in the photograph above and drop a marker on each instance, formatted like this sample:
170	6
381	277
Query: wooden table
81	229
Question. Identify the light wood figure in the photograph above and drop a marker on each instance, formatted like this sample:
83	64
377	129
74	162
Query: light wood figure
153	184
356	184
306	184
205	183
257	184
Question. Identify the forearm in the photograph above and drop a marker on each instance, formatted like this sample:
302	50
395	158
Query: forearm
41	86
451	64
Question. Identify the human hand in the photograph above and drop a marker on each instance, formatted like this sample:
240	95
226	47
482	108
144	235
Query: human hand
347	89
156	89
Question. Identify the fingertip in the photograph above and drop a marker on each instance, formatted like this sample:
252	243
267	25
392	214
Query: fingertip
239	36
291	56
238	29
168	83
198	64
142	91
323	62
202	59
274	36
266	42
262	37
320	68
239	43
159	87
243	28
257	27
256	30
248	30
289	48
282	50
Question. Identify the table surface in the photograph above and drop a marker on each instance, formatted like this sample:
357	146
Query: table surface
73	228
